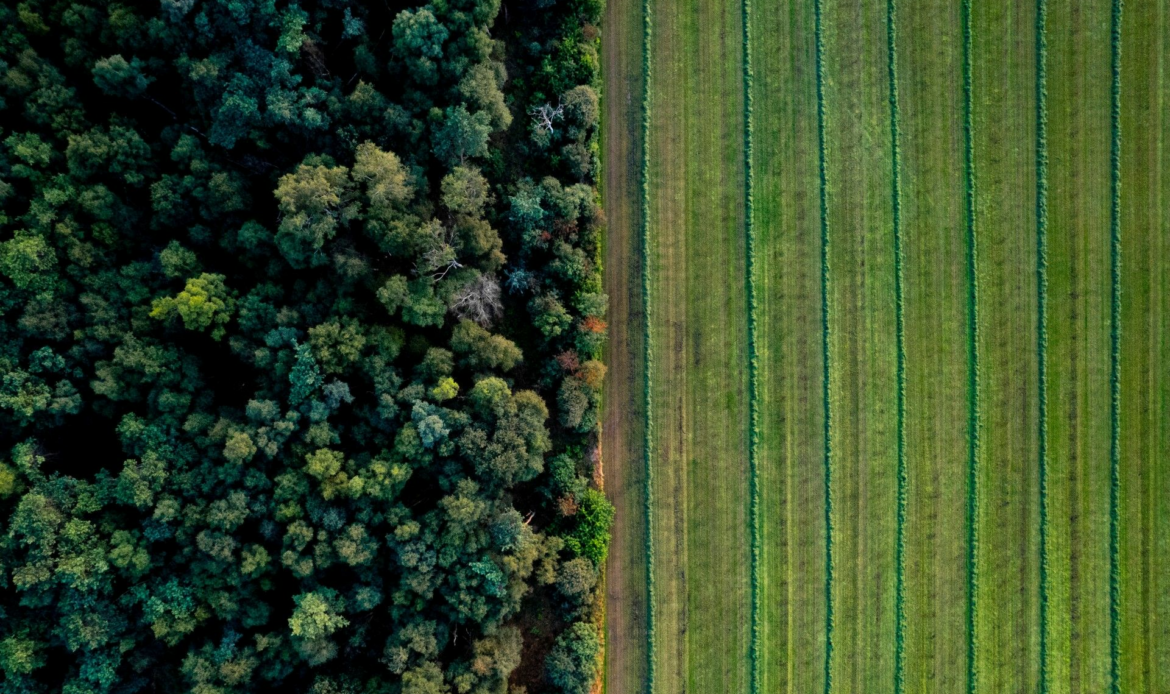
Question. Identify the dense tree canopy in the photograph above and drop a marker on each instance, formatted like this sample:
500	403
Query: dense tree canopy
300	320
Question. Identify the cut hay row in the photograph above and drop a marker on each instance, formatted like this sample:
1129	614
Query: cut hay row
647	349
818	9
900	325
753	358
1115	356
1042	318
973	362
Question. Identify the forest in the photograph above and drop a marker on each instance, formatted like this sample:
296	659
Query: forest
301	322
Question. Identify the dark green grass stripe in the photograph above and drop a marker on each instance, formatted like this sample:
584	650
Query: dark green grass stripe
1115	358
647	351
1042	316
753	356
972	363
818	6
900	323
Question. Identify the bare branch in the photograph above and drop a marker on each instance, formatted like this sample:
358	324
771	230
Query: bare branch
439	256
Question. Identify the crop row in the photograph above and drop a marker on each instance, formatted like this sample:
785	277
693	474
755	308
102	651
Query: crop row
900	326
753	355
1115	356
647	350
973	414
826	337
1042	317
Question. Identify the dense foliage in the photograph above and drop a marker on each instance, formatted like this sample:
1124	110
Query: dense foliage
300	319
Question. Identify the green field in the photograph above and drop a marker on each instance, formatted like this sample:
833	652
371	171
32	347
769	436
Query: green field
1012	347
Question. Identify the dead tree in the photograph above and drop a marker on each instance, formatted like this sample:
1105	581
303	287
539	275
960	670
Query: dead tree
479	300
543	116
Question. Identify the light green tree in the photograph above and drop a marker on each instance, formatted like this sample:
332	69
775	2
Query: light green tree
204	303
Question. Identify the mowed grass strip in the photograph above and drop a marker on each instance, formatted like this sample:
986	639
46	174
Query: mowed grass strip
1008	557
861	347
791	455
699	335
936	314
1139	239
1078	345
1160	305
1160	489
623	433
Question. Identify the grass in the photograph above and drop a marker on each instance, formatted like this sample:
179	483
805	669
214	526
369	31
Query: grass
623	434
698	329
786	225
1159	494
872	450
1005	147
1141	57
930	114
862	344
1078	83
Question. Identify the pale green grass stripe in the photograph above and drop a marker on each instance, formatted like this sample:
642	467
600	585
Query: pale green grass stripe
647	350
1115	357
753	357
1042	317
818	7
900	324
973	363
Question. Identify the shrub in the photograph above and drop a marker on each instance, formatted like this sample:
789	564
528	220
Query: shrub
571	666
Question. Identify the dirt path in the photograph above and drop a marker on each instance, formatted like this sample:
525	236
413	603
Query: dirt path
623	415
